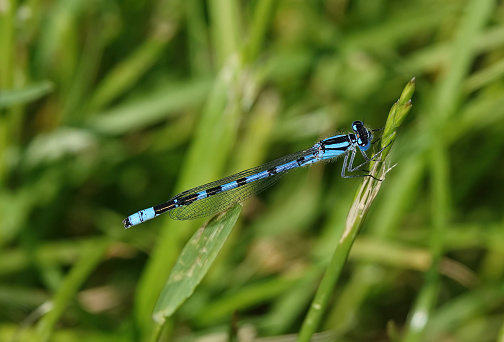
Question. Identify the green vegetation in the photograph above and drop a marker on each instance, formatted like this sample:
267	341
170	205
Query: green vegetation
111	107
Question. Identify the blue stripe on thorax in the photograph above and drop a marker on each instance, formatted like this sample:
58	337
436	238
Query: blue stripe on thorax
342	145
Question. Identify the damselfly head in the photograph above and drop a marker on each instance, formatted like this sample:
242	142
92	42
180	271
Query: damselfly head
363	135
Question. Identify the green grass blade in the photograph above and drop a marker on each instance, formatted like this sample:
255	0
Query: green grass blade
126	73
226	28
194	262
150	109
7	46
262	19
28	94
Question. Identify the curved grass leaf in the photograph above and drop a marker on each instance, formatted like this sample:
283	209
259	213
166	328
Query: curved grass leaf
150	109
194	262
28	94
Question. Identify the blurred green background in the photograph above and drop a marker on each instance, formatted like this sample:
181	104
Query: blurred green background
109	107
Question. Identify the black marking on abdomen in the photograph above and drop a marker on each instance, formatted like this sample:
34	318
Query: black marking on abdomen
163	208
213	191
188	199
300	161
241	181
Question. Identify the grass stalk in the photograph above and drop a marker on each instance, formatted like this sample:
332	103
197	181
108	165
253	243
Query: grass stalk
358	211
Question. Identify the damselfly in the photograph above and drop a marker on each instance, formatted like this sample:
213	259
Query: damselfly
214	197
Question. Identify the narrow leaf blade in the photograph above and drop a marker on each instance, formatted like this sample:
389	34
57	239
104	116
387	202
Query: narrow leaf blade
194	262
25	95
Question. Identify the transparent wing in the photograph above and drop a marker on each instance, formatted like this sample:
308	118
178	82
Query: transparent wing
222	201
226	199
